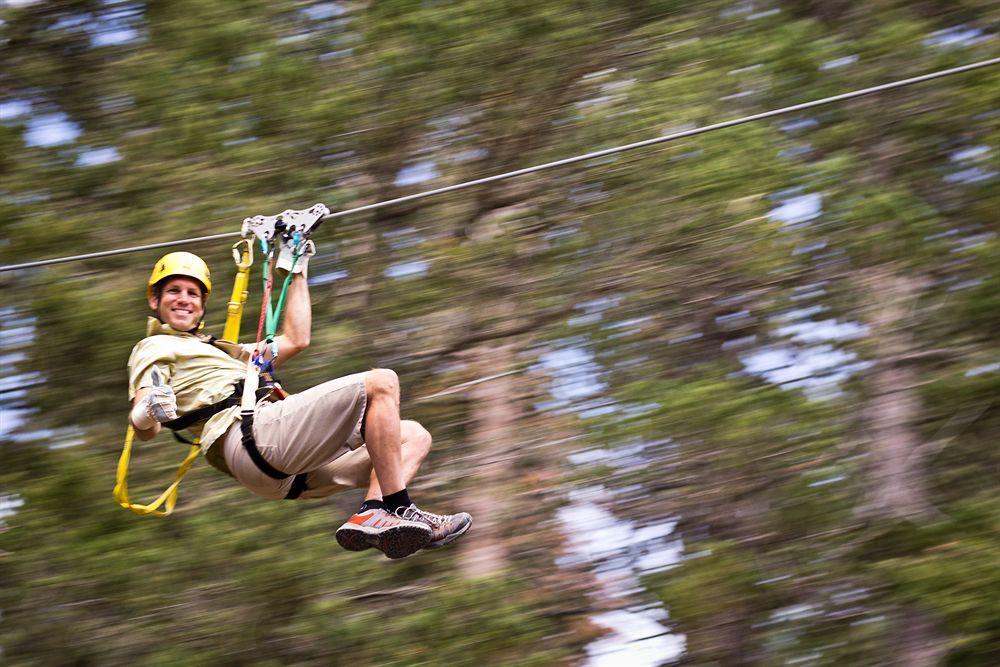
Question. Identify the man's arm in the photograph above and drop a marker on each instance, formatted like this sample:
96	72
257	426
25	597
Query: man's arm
296	324
296	327
137	415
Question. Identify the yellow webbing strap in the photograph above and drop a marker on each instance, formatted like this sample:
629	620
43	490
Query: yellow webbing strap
169	496
243	256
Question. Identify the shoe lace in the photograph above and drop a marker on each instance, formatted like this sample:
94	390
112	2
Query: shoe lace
415	513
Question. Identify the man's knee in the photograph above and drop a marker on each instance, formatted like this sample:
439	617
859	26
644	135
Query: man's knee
416	435
382	382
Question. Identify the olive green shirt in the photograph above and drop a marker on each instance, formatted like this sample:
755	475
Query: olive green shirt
199	373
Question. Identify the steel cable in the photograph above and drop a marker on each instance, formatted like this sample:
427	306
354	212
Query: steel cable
548	165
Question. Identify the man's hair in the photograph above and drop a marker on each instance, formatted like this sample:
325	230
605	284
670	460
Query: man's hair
158	287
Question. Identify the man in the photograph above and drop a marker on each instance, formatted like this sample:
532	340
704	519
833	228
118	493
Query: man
341	434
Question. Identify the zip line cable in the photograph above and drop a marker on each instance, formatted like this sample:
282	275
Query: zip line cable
548	165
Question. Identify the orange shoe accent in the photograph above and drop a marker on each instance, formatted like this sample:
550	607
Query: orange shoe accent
359	519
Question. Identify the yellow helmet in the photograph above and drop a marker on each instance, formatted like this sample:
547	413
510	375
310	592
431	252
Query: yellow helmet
180	264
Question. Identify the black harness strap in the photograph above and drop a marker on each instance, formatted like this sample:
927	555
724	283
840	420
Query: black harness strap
250	444
246	428
298	486
188	419
181	439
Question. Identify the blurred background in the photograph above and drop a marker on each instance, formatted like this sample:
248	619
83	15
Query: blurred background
730	400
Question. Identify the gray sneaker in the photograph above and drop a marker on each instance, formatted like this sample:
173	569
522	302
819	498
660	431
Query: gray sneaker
395	536
445	528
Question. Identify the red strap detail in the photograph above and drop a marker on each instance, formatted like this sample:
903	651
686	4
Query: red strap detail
264	304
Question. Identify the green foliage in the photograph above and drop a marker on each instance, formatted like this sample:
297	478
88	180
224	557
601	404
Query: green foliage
950	570
714	581
232	579
667	269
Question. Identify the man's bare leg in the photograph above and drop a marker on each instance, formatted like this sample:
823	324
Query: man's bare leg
382	429
395	535
415	444
386	518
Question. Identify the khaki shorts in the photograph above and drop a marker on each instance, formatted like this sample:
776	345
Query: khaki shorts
317	431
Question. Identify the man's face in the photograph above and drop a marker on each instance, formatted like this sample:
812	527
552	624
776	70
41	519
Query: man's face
180	303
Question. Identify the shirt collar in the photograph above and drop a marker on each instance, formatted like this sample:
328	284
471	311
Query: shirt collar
156	327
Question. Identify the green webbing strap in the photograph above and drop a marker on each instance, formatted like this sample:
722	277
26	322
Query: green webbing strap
284	291
273	315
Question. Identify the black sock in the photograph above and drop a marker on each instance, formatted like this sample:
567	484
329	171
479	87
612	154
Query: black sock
371	504
394	500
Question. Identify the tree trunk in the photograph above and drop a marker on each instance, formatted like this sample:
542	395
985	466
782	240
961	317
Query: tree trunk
897	485
919	641
494	415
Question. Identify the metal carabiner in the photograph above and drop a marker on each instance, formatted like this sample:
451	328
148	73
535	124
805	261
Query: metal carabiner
243	257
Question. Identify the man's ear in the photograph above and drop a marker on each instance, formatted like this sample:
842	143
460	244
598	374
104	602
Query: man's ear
153	301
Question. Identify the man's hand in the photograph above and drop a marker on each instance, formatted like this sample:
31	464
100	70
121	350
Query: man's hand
287	257
162	404
157	406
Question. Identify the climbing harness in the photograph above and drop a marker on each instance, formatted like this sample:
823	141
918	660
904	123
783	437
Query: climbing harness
288	231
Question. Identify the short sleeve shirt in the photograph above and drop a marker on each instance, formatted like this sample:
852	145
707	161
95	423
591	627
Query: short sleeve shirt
199	373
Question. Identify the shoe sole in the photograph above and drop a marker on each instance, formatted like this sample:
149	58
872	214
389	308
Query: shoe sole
395	542
353	538
451	538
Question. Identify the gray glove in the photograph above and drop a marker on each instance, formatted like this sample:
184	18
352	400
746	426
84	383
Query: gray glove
287	256
161	403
